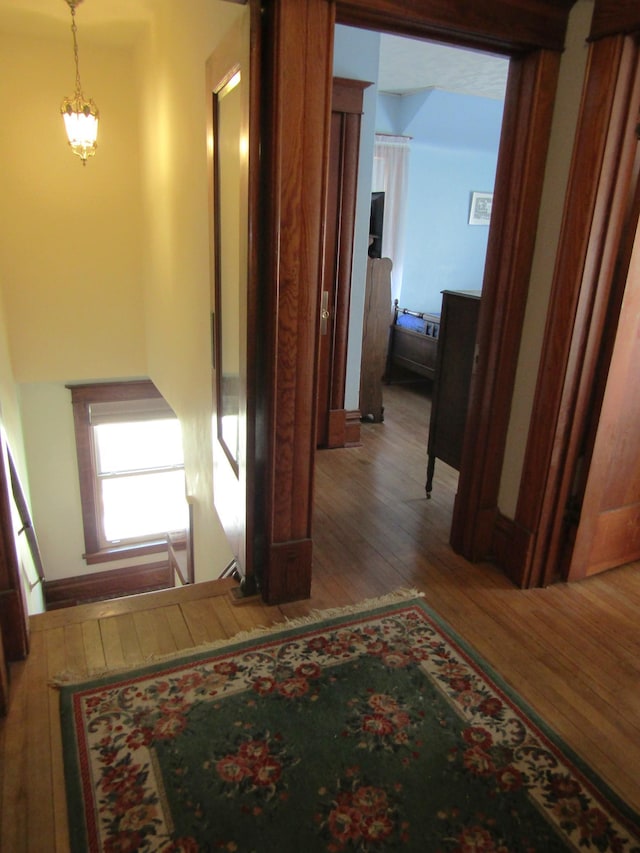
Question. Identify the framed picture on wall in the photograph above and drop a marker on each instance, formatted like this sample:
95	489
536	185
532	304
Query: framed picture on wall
480	212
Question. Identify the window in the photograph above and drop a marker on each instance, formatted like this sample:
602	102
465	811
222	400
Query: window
131	468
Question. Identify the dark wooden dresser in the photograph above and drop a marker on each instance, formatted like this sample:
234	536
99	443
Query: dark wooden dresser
454	365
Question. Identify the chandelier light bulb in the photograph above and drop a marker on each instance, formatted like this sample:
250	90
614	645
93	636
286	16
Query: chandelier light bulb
80	114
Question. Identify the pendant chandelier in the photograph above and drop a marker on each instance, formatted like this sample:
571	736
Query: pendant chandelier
80	114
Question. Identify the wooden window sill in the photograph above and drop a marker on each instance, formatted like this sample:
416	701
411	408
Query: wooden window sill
126	552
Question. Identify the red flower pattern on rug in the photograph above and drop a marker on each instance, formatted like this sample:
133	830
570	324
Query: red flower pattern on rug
376	732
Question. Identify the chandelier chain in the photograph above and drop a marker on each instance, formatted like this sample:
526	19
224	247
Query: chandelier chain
80	114
74	31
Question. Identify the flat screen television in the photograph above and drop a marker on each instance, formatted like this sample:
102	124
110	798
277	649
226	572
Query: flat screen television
376	223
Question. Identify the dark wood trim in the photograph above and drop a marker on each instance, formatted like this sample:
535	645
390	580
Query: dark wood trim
125	552
504	24
594	210
297	44
338	224
82	396
344	428
289	576
510	547
352	427
132	580
110	392
257	330
518	189
337	428
173	546
614	17
4	681
347	214
347	96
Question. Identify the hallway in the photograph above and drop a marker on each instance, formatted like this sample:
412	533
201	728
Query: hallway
573	652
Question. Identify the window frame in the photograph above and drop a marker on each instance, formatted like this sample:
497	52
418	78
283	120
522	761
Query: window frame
82	397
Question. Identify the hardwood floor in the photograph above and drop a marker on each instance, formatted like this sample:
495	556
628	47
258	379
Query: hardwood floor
572	651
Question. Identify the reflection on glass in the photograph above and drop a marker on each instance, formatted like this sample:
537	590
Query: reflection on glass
228	189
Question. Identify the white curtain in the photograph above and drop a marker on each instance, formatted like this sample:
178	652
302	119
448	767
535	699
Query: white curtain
390	175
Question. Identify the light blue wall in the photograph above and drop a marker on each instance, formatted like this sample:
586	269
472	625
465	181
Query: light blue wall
454	149
453	152
356	56
442	251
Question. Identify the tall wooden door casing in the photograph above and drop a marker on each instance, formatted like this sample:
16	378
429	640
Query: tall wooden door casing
607	533
581	313
296	103
335	299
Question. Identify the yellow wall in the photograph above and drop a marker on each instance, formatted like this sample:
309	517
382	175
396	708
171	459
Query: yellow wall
71	247
178	304
105	268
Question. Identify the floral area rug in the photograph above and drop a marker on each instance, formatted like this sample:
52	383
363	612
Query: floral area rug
374	730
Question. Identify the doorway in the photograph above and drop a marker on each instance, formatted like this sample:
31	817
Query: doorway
439	107
300	37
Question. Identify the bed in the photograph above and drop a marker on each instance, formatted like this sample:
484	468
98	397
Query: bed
413	343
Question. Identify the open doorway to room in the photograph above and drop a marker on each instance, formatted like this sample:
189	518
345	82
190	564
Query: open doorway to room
430	134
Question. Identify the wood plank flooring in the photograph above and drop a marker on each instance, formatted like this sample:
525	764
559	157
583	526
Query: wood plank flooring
572	651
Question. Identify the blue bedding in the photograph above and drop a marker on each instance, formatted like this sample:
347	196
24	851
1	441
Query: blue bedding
424	325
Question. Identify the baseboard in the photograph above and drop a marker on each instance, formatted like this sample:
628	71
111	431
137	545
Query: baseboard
289	574
344	428
511	549
98	586
352	428
336	433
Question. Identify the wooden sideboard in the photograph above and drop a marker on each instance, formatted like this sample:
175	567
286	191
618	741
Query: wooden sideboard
454	366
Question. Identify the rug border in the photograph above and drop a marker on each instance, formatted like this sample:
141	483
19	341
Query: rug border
334	616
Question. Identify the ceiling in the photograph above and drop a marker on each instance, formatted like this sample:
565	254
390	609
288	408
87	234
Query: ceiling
410	65
406	64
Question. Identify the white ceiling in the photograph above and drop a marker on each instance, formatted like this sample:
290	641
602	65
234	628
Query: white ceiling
410	65
406	65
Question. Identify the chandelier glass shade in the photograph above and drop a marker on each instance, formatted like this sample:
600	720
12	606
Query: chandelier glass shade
80	114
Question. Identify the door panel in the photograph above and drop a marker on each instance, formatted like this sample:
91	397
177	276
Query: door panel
608	532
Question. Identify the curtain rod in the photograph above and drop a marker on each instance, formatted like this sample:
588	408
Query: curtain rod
398	135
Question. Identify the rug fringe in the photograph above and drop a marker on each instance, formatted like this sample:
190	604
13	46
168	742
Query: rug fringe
70	678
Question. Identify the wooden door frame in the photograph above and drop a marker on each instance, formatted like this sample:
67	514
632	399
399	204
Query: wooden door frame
575	335
336	426
298	39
